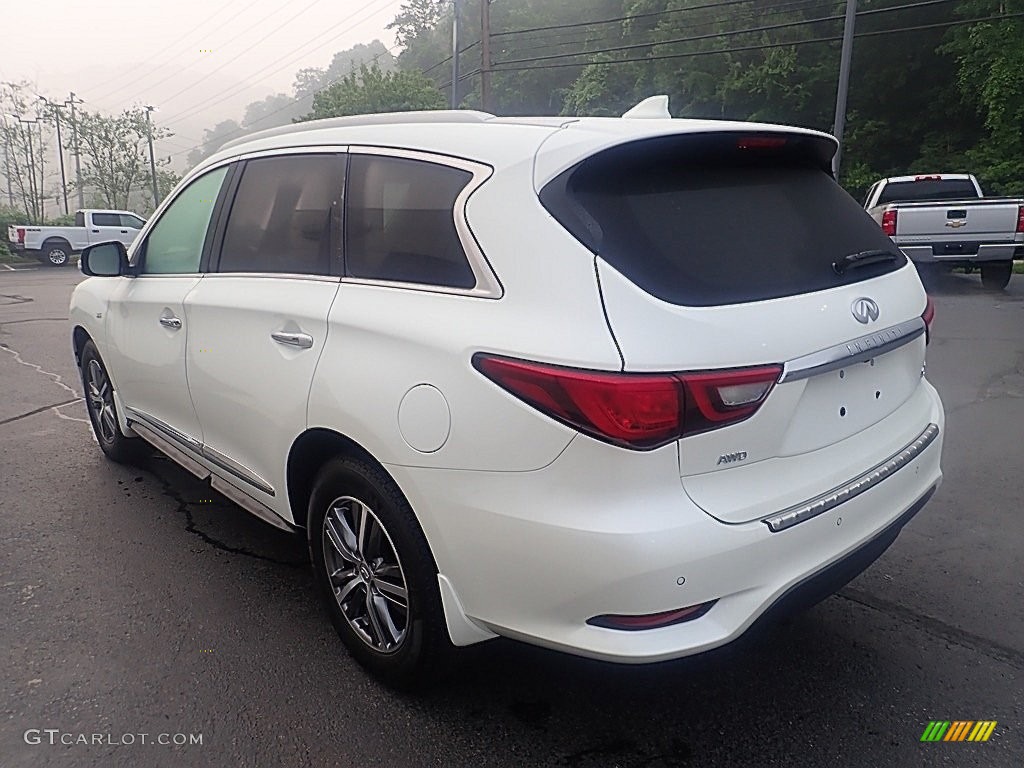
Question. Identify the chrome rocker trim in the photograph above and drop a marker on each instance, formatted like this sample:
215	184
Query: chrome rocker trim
831	499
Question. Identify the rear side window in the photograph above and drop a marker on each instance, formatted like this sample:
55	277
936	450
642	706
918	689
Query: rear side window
281	218
400	223
106	220
718	218
927	189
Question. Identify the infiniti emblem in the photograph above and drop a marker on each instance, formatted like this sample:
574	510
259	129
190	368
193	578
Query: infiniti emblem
864	310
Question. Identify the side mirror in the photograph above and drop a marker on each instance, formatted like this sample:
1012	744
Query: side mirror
105	260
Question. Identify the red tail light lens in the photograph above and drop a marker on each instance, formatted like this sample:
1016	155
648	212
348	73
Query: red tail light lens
639	411
761	142
1020	218
889	223
928	316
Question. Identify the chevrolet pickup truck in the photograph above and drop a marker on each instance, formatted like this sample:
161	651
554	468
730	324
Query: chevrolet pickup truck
944	220
54	246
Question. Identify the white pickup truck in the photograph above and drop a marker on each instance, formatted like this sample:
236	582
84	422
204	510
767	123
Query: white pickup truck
945	220
55	245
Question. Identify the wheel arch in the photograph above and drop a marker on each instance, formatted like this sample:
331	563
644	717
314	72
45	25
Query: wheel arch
57	240
308	453
79	337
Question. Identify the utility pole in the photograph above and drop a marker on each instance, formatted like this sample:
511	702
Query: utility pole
485	55
844	82
152	161
456	6
78	165
55	110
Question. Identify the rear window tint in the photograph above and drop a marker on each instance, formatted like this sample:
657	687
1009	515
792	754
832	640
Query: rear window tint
718	219
927	189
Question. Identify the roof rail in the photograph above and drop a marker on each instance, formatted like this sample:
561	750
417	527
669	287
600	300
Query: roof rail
385	118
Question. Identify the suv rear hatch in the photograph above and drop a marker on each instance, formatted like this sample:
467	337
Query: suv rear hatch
723	252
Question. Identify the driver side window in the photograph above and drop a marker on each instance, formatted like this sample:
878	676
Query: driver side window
175	244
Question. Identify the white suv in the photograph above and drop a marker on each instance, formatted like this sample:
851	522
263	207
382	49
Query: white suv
614	386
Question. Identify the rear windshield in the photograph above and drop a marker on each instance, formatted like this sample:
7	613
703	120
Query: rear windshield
718	219
927	189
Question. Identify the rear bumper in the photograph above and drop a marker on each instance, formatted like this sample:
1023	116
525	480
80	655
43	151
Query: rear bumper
601	530
923	254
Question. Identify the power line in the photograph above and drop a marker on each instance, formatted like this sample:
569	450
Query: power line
733	33
288	60
763	46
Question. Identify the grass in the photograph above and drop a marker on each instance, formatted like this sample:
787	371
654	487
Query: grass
10	258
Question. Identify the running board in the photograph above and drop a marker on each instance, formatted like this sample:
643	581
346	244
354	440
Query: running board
179	457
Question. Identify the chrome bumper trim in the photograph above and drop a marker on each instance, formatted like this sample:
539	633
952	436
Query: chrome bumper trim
831	499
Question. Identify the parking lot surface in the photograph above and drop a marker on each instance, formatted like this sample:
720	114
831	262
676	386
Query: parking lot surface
138	601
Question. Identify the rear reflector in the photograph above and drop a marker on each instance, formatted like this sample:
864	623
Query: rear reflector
889	223
639	411
631	623
1020	219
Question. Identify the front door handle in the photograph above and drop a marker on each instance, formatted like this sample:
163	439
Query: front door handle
170	322
300	340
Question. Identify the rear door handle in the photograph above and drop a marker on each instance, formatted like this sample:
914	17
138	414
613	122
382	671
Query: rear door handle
300	340
170	322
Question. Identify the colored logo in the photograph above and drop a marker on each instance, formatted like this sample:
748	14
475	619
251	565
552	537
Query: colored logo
958	730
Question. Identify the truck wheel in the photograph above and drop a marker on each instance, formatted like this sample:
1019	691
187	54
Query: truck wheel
56	253
995	275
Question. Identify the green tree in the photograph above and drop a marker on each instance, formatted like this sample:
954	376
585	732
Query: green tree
213	139
372	90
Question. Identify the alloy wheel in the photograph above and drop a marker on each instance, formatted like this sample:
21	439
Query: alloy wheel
101	401
366	575
57	256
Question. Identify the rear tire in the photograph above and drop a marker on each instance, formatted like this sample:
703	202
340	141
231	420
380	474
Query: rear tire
995	275
56	253
99	402
376	574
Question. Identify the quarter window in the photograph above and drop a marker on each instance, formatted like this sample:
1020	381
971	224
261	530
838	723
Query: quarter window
175	244
281	219
400	223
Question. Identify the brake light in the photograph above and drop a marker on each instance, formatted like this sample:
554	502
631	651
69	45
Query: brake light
639	411
761	142
1020	218
928	178
928	316
889	222
21	235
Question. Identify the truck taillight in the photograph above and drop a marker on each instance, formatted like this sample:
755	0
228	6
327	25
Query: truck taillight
21	235
1020	218
889	223
639	411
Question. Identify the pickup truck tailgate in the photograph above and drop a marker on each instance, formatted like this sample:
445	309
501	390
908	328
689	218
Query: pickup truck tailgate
972	220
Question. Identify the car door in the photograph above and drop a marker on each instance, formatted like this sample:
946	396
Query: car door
106	227
258	320
146	321
130	227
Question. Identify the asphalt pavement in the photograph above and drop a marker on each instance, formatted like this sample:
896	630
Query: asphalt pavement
138	606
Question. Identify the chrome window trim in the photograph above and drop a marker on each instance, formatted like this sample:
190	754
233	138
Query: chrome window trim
864	482
275	275
858	350
487	283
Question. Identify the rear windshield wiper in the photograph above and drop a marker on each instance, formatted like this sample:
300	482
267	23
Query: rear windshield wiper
862	259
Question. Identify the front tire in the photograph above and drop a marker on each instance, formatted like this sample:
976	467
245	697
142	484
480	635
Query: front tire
376	574
995	275
99	402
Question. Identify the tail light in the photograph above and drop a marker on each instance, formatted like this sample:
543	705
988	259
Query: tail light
928	316
639	411
1020	218
889	223
21	235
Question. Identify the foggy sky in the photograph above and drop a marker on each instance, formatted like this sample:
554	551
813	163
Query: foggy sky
197	61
